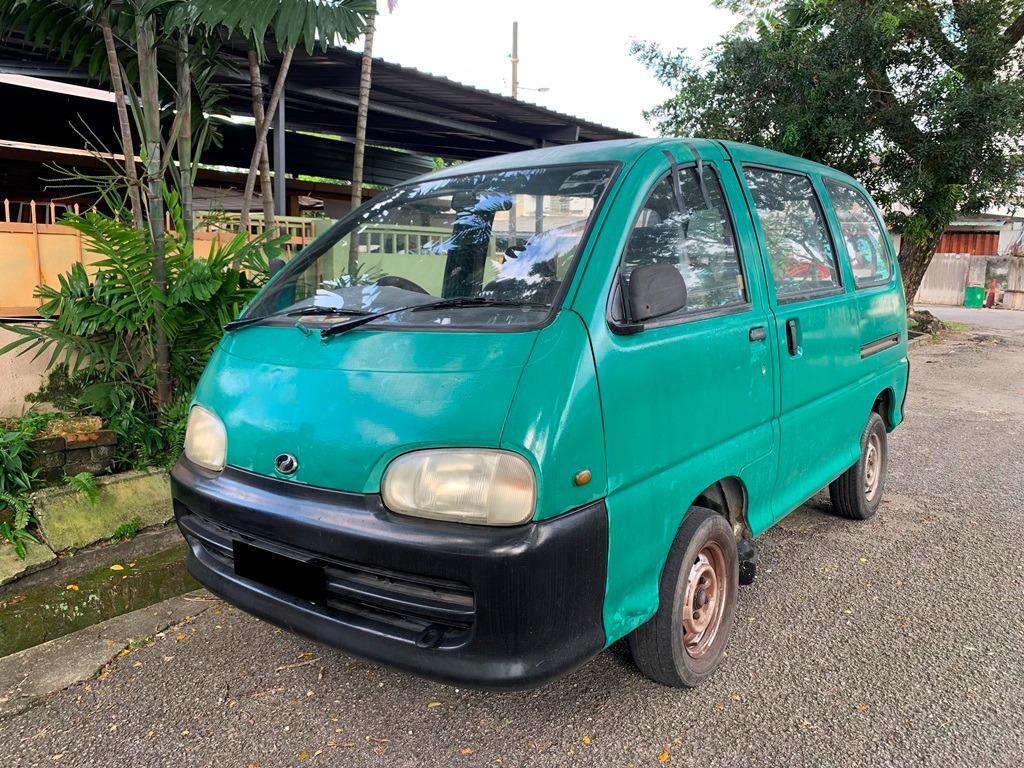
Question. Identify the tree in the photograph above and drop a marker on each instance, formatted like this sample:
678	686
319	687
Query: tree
290	24
923	100
120	41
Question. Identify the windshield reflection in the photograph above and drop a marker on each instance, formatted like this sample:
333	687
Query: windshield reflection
510	237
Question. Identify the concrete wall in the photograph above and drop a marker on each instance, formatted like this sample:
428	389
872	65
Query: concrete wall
1011	238
19	376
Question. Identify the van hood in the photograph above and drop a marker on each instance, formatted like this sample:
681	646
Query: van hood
347	406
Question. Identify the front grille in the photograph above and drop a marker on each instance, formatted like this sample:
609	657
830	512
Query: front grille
430	612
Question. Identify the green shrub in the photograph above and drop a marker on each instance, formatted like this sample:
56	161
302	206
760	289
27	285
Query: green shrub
16	478
104	326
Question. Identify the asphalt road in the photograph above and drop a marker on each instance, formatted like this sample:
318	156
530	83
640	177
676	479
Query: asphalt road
897	642
1001	319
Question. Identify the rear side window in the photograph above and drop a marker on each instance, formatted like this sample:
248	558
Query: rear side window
698	241
800	252
865	240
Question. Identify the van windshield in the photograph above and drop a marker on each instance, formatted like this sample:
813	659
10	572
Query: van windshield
504	241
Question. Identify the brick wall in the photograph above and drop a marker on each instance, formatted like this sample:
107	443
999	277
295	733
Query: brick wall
91	452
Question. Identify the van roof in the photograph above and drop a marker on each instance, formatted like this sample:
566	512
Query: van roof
620	150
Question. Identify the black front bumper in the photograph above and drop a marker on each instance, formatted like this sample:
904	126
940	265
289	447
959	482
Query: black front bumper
474	605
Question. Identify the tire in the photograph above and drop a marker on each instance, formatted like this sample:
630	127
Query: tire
669	650
857	492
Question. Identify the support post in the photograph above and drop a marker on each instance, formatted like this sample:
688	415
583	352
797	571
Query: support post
515	59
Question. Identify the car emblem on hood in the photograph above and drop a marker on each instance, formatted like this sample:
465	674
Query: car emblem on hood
286	464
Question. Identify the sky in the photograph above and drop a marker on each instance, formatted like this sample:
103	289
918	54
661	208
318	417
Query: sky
577	50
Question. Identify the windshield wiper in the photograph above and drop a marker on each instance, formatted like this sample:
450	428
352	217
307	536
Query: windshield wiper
245	322
328	311
465	301
234	325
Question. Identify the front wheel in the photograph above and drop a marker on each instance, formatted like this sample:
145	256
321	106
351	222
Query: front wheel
684	642
857	492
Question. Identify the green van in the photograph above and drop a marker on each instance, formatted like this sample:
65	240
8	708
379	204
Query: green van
510	412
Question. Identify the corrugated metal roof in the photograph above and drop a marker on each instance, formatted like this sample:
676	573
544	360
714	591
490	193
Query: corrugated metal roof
412	110
415	110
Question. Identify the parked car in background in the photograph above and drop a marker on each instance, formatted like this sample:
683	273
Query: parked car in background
510	412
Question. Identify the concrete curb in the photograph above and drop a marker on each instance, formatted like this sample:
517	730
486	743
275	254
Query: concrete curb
918	338
12	567
28	676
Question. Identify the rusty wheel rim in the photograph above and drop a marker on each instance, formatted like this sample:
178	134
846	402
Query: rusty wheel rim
872	466
705	598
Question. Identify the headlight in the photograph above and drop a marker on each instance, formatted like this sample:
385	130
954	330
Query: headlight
464	485
206	440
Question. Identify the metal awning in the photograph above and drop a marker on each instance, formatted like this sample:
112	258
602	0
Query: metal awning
410	110
417	111
413	116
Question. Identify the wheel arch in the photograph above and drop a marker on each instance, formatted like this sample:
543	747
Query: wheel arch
885	406
728	497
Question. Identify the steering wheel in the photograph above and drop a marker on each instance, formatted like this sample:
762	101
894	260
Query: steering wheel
394	281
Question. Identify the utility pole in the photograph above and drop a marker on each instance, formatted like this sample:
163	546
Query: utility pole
515	59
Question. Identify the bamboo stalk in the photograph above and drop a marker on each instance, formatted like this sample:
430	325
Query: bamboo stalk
261	138
256	95
127	144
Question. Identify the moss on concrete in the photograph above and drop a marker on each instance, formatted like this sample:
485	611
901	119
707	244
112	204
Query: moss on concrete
69	521
30	618
37	556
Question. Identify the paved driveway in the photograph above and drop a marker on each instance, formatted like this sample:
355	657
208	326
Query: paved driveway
896	642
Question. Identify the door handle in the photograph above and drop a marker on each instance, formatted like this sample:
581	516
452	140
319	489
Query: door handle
758	333
791	337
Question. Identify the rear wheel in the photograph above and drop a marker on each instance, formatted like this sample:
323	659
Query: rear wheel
857	492
684	642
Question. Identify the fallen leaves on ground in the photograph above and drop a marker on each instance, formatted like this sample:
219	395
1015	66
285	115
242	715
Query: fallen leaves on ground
117	567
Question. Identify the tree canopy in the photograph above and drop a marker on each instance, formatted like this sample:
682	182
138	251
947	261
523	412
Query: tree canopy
923	100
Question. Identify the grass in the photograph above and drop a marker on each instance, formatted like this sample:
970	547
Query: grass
128	530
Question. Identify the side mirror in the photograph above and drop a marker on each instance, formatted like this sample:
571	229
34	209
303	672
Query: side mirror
655	290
